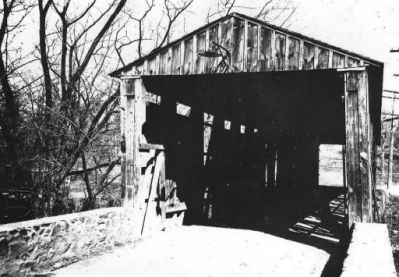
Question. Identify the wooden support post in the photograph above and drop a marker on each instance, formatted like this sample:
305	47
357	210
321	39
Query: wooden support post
132	119
358	158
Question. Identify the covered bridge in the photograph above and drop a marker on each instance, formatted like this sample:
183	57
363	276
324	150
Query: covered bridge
227	122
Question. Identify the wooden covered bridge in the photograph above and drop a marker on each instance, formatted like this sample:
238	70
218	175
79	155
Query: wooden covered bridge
224	127
227	122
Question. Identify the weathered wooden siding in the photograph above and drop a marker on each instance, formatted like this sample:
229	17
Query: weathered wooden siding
252	46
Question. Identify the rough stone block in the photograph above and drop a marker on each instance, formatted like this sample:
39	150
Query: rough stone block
48	243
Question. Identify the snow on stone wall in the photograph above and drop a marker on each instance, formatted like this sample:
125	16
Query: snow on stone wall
370	252
44	244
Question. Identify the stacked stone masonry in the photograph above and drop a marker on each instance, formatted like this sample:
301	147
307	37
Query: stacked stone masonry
45	244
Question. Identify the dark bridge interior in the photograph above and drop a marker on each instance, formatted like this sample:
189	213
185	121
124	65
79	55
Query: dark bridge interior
243	149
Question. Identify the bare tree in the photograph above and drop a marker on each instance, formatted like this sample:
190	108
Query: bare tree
79	110
140	20
11	60
61	120
270	10
173	12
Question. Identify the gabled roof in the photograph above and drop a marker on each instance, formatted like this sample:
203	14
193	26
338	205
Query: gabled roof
278	29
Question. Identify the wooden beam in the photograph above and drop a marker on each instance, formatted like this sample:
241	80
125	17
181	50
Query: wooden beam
133	105
358	155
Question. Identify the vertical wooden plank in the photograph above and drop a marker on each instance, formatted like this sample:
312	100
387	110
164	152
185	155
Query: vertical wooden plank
200	46
206	61
150	194
258	46
301	55
273	51
316	56
169	56
145	67
157	64
354	215
287	50
123	106
161	189
364	145
206	39
344	166
245	61
358	155
182	49
220	32
330	59
176	59
162	63
238	42
194	63
133	92
280	54
309	54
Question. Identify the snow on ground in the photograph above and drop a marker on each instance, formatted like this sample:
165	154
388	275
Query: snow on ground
205	251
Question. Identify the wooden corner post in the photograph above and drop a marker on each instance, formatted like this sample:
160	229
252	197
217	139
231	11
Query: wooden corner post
358	158
133	112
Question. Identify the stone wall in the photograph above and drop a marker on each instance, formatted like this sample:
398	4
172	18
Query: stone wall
48	243
370	252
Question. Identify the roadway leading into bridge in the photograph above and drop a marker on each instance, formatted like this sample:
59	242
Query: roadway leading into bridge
206	251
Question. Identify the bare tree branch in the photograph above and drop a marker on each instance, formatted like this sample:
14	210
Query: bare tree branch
173	12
